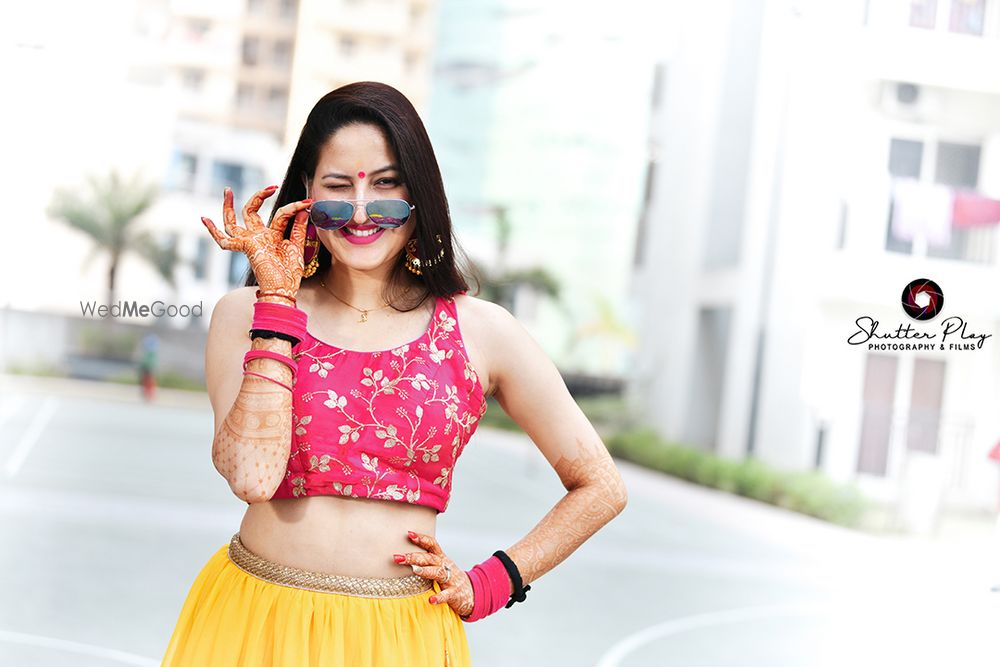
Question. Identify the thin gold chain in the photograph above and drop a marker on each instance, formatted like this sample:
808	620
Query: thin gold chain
364	311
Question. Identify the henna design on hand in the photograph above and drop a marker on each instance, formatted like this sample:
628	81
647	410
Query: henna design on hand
277	262
457	591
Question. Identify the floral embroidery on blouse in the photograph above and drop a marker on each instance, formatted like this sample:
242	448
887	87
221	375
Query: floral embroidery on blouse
387	425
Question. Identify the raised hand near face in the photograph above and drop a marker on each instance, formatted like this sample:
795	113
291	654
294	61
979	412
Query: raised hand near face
277	262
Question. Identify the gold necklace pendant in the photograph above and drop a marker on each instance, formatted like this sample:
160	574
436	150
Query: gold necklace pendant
364	316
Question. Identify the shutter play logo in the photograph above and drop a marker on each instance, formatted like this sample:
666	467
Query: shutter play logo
922	300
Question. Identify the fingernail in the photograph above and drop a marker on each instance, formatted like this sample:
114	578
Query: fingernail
411	534
416	569
398	558
432	600
307	201
272	187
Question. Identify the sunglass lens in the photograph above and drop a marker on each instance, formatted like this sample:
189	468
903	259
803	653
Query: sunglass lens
331	214
388	213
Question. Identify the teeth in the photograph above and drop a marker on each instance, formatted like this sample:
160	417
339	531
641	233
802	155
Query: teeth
355	232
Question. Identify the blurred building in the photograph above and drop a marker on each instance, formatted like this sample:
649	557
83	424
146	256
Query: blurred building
247	73
806	163
194	96
538	116
190	96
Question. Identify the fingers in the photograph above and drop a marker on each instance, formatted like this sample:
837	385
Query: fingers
419	558
298	235
427	542
280	219
250	215
436	572
228	214
223	241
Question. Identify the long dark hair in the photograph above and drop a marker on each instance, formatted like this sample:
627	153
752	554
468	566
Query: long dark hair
385	107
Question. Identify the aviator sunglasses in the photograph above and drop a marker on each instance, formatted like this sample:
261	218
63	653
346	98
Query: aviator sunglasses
332	214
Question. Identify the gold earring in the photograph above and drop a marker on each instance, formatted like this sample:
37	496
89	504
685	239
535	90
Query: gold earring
416	265
312	243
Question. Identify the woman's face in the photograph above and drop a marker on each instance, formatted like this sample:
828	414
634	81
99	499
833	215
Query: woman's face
357	163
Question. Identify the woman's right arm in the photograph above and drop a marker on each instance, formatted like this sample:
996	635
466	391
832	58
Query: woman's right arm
253	416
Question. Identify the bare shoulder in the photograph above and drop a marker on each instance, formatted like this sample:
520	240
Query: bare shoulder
234	306
489	330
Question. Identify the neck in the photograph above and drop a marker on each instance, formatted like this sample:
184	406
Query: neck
363	289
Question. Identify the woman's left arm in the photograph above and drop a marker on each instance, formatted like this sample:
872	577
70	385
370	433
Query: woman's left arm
529	388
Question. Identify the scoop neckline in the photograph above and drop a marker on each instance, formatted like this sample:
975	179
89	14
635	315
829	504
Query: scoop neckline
427	331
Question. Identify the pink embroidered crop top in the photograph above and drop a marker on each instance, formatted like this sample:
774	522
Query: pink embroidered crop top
388	425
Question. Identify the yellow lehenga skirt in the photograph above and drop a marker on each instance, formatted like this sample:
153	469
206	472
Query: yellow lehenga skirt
243	610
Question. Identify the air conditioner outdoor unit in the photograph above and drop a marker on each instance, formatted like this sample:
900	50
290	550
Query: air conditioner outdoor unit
909	100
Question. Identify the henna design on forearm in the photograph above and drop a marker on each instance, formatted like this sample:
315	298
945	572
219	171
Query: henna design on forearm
252	446
595	495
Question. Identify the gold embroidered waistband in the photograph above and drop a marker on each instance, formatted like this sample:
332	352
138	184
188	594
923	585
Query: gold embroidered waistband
367	587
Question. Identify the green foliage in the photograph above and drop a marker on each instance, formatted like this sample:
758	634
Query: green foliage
810	493
99	341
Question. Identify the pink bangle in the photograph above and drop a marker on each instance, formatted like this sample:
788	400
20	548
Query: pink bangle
270	354
490	588
269	378
278	317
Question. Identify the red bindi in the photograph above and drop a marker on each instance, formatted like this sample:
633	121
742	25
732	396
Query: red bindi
361	174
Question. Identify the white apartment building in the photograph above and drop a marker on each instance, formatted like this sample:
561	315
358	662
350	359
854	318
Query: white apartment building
196	96
807	163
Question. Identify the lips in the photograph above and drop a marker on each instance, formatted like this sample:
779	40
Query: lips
361	240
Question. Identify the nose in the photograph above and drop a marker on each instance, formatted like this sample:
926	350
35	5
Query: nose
360	213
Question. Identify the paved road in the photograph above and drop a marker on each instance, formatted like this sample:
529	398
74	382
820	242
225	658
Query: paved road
109	507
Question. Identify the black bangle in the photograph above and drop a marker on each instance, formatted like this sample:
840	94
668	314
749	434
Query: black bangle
267	333
519	593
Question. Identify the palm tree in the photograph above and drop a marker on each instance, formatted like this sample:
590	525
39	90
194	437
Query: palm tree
500	284
107	213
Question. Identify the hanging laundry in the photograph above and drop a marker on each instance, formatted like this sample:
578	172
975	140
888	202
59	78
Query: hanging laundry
922	209
972	209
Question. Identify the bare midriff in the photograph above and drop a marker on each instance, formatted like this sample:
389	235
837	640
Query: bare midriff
350	536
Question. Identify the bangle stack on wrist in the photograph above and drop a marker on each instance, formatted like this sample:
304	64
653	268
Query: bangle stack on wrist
275	320
491	581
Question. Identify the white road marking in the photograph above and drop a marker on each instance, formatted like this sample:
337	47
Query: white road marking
77	647
30	437
675	626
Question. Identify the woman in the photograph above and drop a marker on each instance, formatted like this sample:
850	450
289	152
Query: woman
344	450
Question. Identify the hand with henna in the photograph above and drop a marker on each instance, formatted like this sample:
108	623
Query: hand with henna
277	262
456	587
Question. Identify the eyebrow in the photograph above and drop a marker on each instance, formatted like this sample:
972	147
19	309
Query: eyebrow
390	167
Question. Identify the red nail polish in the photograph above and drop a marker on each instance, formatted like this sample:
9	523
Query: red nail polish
433	600
411	534
398	558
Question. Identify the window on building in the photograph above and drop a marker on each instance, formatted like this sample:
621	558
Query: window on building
202	250
251	50
905	159
967	16
183	171
281	55
923	13
238	266
227	175
348	46
195	29
957	166
192	79
244	95
877	414
289	8
926	397
277	99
